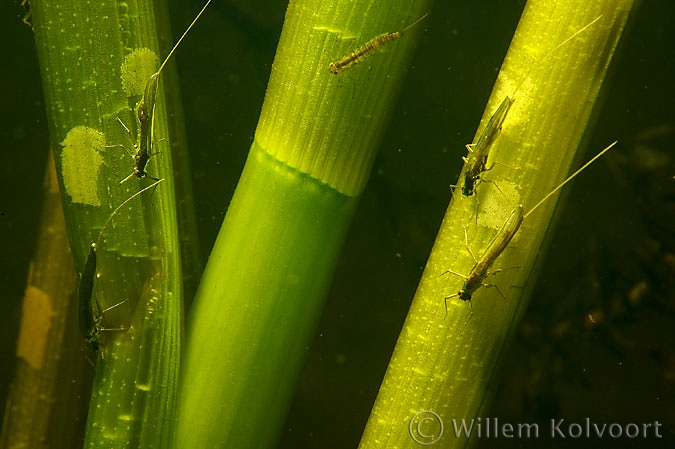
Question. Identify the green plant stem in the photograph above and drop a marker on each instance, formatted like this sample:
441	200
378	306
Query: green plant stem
82	46
447	364
263	288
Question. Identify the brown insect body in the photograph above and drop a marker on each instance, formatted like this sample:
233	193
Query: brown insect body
369	48
364	51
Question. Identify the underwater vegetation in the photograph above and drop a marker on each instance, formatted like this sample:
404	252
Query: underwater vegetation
203	321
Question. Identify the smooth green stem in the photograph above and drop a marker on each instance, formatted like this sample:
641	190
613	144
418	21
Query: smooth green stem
258	304
446	364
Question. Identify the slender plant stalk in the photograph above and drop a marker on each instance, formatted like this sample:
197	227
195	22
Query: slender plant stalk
89	88
444	363
51	374
263	288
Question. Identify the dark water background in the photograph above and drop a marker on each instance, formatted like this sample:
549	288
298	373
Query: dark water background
613	253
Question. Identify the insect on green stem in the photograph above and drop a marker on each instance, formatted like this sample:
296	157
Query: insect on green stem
90	313
475	163
481	268
369	48
146	109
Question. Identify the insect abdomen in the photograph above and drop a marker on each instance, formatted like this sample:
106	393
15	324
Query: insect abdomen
363	52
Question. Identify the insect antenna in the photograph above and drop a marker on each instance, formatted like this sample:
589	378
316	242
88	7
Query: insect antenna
570	177
415	22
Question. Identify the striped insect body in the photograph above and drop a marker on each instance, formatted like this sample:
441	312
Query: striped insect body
368	49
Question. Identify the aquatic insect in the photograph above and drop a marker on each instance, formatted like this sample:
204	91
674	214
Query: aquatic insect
369	48
475	163
90	313
481	268
88	318
146	109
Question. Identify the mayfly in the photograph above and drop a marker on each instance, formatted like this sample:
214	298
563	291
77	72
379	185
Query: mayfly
90	313
481	268
475	163
369	48
146	109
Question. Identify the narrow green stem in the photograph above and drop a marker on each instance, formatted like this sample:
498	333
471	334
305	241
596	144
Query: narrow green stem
446	364
84	49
